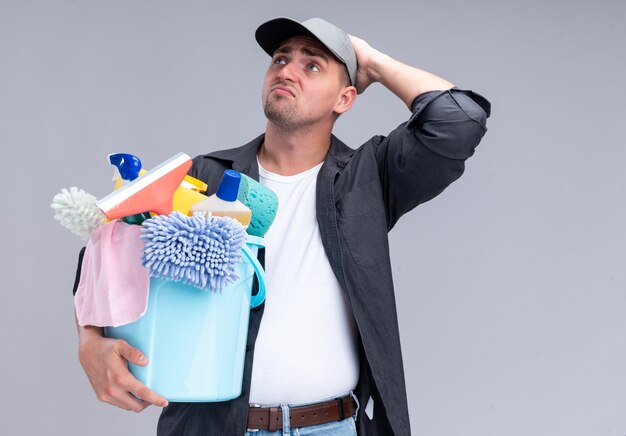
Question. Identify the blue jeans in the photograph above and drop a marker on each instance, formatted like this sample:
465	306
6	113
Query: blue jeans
346	427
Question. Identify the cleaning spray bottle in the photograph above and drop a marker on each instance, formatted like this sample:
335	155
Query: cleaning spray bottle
128	167
224	202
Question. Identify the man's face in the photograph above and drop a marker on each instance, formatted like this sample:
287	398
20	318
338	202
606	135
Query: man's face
303	84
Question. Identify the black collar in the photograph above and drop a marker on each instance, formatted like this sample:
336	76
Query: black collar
244	158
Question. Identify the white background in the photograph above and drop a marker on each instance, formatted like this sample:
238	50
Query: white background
510	285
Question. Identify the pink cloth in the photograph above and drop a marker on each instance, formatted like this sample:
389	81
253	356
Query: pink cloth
113	288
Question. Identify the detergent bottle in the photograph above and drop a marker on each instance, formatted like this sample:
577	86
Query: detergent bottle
224	202
128	168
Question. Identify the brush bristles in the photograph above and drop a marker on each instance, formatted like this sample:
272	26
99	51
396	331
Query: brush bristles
75	209
202	251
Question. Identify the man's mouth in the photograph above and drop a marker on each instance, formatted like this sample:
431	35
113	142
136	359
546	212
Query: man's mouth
283	90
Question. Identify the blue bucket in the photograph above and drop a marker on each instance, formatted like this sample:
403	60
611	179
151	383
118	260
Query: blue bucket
195	339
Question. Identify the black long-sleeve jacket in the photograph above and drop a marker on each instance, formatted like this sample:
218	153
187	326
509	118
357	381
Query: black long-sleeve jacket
361	194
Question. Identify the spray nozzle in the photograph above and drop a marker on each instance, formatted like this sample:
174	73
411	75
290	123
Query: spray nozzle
128	165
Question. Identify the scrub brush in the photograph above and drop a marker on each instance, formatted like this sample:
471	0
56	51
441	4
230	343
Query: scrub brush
75	209
201	250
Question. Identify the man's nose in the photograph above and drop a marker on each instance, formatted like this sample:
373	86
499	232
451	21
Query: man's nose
288	72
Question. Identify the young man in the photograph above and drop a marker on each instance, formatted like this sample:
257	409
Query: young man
327	336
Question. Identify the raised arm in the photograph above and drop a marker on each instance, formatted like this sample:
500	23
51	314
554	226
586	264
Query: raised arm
403	80
419	159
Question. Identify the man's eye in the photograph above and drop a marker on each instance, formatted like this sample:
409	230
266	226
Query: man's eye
279	61
313	67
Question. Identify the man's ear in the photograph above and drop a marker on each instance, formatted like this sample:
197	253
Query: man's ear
345	100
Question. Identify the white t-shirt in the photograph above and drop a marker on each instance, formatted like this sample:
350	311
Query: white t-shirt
306	350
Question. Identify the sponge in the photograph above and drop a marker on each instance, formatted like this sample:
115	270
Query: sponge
263	203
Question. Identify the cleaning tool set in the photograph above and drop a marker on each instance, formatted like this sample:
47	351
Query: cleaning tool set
76	211
177	285
151	192
190	191
262	201
113	286
127	168
200	250
224	202
196	339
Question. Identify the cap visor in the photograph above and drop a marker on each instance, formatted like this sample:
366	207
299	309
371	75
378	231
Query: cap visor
272	33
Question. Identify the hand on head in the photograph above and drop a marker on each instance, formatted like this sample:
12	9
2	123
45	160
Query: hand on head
367	58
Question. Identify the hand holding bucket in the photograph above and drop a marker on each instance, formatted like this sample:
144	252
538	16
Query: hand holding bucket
196	339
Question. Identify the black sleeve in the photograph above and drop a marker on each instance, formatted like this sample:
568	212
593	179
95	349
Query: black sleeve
420	158
78	269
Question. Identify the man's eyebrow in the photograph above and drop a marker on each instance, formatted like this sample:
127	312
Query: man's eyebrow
283	49
309	52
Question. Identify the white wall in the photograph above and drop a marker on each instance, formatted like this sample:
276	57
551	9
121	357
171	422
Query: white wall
510	285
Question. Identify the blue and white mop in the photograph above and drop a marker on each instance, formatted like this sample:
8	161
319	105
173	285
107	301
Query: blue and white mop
201	250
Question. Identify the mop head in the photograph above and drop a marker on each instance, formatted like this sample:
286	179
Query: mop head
200	250
75	209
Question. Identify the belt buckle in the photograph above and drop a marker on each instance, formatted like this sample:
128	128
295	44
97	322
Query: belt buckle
253	430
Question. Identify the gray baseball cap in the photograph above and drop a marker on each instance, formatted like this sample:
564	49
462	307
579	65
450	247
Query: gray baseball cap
272	33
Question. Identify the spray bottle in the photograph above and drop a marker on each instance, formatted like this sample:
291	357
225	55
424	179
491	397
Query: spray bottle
128	167
224	202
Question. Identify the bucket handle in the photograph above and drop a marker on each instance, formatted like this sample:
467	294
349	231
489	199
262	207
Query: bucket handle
258	269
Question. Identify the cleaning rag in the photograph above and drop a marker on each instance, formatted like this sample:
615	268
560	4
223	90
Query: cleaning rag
113	288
